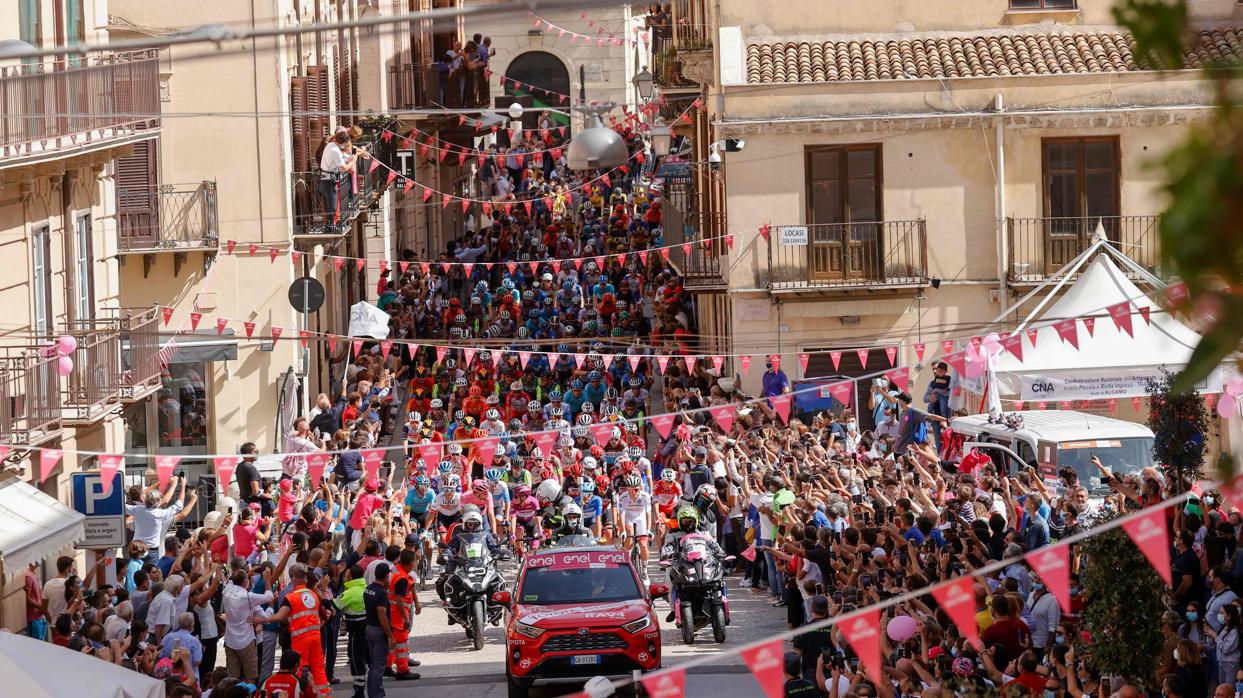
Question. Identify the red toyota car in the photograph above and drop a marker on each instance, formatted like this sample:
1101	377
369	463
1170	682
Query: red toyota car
577	613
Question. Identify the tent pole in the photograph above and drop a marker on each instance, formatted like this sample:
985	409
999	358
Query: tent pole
1065	273
1134	266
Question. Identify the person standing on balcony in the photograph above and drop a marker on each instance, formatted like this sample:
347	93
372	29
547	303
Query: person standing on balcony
334	165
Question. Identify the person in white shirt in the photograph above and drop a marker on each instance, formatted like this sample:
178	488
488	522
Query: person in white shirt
151	519
54	588
1046	613
116	627
162	613
239	634
333	164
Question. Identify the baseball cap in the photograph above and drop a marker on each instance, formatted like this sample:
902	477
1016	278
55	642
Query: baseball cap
373	484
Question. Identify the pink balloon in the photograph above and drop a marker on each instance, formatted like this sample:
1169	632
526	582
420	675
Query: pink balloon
1228	406
901	628
991	344
66	344
64	365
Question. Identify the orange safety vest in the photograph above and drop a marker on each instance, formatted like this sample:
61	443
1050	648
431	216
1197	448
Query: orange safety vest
400	604
303	611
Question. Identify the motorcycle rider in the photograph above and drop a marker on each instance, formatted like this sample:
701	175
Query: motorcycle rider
472	522
572	523
688	522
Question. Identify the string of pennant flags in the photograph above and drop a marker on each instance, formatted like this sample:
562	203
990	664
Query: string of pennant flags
723	416
601	37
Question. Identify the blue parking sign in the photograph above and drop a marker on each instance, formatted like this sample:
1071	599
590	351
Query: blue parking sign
89	498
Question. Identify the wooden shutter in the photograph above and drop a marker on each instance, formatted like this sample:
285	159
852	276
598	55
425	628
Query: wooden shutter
318	96
137	179
302	149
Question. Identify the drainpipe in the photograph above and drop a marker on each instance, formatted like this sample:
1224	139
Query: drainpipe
1003	241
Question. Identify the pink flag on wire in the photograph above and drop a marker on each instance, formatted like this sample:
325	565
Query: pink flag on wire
108	467
164	467
48	459
225	465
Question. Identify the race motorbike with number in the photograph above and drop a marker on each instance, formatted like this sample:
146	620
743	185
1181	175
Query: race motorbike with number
470	585
698	580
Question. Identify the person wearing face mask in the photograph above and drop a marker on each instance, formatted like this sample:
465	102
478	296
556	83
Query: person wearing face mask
1225	633
1219	596
1045	613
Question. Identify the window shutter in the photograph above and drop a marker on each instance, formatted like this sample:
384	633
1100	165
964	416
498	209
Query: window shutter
298	123
318	102
137	198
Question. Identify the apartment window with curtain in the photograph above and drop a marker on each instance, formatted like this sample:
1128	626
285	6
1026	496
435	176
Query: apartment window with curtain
1082	187
844	186
84	276
41	279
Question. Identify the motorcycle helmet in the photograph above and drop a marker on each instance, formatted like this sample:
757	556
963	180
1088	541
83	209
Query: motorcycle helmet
493	474
688	517
472	522
549	490
668	475
706	491
573	514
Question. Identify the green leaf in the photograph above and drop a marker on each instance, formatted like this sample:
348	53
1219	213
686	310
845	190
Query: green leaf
1158	27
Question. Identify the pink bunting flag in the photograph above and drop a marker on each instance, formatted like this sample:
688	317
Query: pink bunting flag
957	598
947	346
901	377
229	246
386	346
781	405
766	664
372	458
776	359
272	255
723	415
337	262
316	461
1052	563
634	360
487	450
1014	345
803	358
863	634
524	357
440	354
891	353
304	337
765	231
957	361
48	459
1018	405
1042	405
469	353
276	333
1176	294
836	358
579	359
718	362
413	348
357	345
690	363
1121	314
842	392
253	248
602	432
1089	324
1113	405
167	312
360	263
553	358
919	351
1068	331
430	453
663	424
1032	333
744	362
108	467
546	441
164	467
225	465
1146	313
1149	534
666	684
221	325
195	317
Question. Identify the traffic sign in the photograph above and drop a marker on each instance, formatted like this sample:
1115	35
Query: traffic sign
306	294
105	514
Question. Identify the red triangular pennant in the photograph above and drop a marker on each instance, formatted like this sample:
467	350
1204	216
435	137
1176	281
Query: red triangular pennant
744	361
781	405
1052	563
663	423
901	377
225	465
164	467
167	312
602	432
1148	532
803	358
316	461
766	664
195	317
842	392
109	465
1089	324
891	353
723	415
221	325
1146	313
919	352
666	684
1068	331
1014	345
957	598
372	458
863	633
836	358
250	329
304	336
1121	314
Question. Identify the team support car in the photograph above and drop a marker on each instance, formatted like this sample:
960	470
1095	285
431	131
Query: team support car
578	613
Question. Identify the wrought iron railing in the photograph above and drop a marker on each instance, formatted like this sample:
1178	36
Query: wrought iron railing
173	217
843	256
140	370
42	108
94	384
30	397
427	86
1039	247
328	206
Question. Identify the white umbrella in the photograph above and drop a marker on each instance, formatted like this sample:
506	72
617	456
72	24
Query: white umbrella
35	669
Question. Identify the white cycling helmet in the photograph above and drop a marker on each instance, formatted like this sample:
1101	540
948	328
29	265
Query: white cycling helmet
492	415
548	490
589	463
572	509
455	449
668	475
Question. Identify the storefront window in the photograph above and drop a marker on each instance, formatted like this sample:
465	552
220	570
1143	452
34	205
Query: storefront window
182	406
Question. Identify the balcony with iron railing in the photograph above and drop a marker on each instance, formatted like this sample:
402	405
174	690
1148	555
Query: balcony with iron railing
327	207
140	362
697	246
167	218
93	387
1039	247
682	46
45	109
30	397
847	257
426	86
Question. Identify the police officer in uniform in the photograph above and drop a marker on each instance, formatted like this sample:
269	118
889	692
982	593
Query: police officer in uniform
379	633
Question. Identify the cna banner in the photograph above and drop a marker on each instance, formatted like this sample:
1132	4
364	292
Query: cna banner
1089	385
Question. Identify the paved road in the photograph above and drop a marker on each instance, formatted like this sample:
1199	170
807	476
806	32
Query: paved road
448	661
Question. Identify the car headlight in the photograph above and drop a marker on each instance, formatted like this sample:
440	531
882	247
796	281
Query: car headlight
635	626
528	630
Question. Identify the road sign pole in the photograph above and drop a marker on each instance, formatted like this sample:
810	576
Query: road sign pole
306	327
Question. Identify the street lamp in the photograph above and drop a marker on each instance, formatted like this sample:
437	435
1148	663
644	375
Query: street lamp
515	111
662	138
597	146
643	84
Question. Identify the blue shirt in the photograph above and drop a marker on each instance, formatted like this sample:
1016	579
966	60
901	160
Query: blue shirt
165	563
188	641
820	519
914	534
775	382
593	509
418	504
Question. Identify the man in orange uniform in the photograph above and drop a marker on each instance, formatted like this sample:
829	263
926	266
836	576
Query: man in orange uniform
400	597
301	609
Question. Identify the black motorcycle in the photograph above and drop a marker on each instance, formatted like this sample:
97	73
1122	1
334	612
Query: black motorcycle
698	580
469	589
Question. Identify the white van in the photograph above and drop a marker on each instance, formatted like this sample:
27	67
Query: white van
1051	439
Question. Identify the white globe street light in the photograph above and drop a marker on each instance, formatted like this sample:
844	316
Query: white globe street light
515	111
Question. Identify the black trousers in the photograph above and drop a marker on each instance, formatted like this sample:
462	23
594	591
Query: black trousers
357	653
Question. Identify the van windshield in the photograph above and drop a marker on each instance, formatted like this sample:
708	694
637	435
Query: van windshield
1121	456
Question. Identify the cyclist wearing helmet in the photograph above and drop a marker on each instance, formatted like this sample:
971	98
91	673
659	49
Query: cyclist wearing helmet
595	388
635	507
571	523
525	510
500	498
480	495
667	493
593	506
516	402
447	507
474	405
419	501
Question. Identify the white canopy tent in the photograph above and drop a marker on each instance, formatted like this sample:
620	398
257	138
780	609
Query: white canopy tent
33	526
35	669
1110	363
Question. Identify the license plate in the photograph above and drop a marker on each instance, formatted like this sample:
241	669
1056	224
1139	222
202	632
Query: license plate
585	659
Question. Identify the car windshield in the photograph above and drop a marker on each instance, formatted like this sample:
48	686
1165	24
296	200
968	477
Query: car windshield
548	586
1121	456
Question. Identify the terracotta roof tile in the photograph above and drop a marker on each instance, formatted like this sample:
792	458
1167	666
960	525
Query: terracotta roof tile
967	56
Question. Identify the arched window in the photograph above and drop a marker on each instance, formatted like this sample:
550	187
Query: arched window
540	71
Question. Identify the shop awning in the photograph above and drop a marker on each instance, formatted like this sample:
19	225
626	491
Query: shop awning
197	346
33	526
35	669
